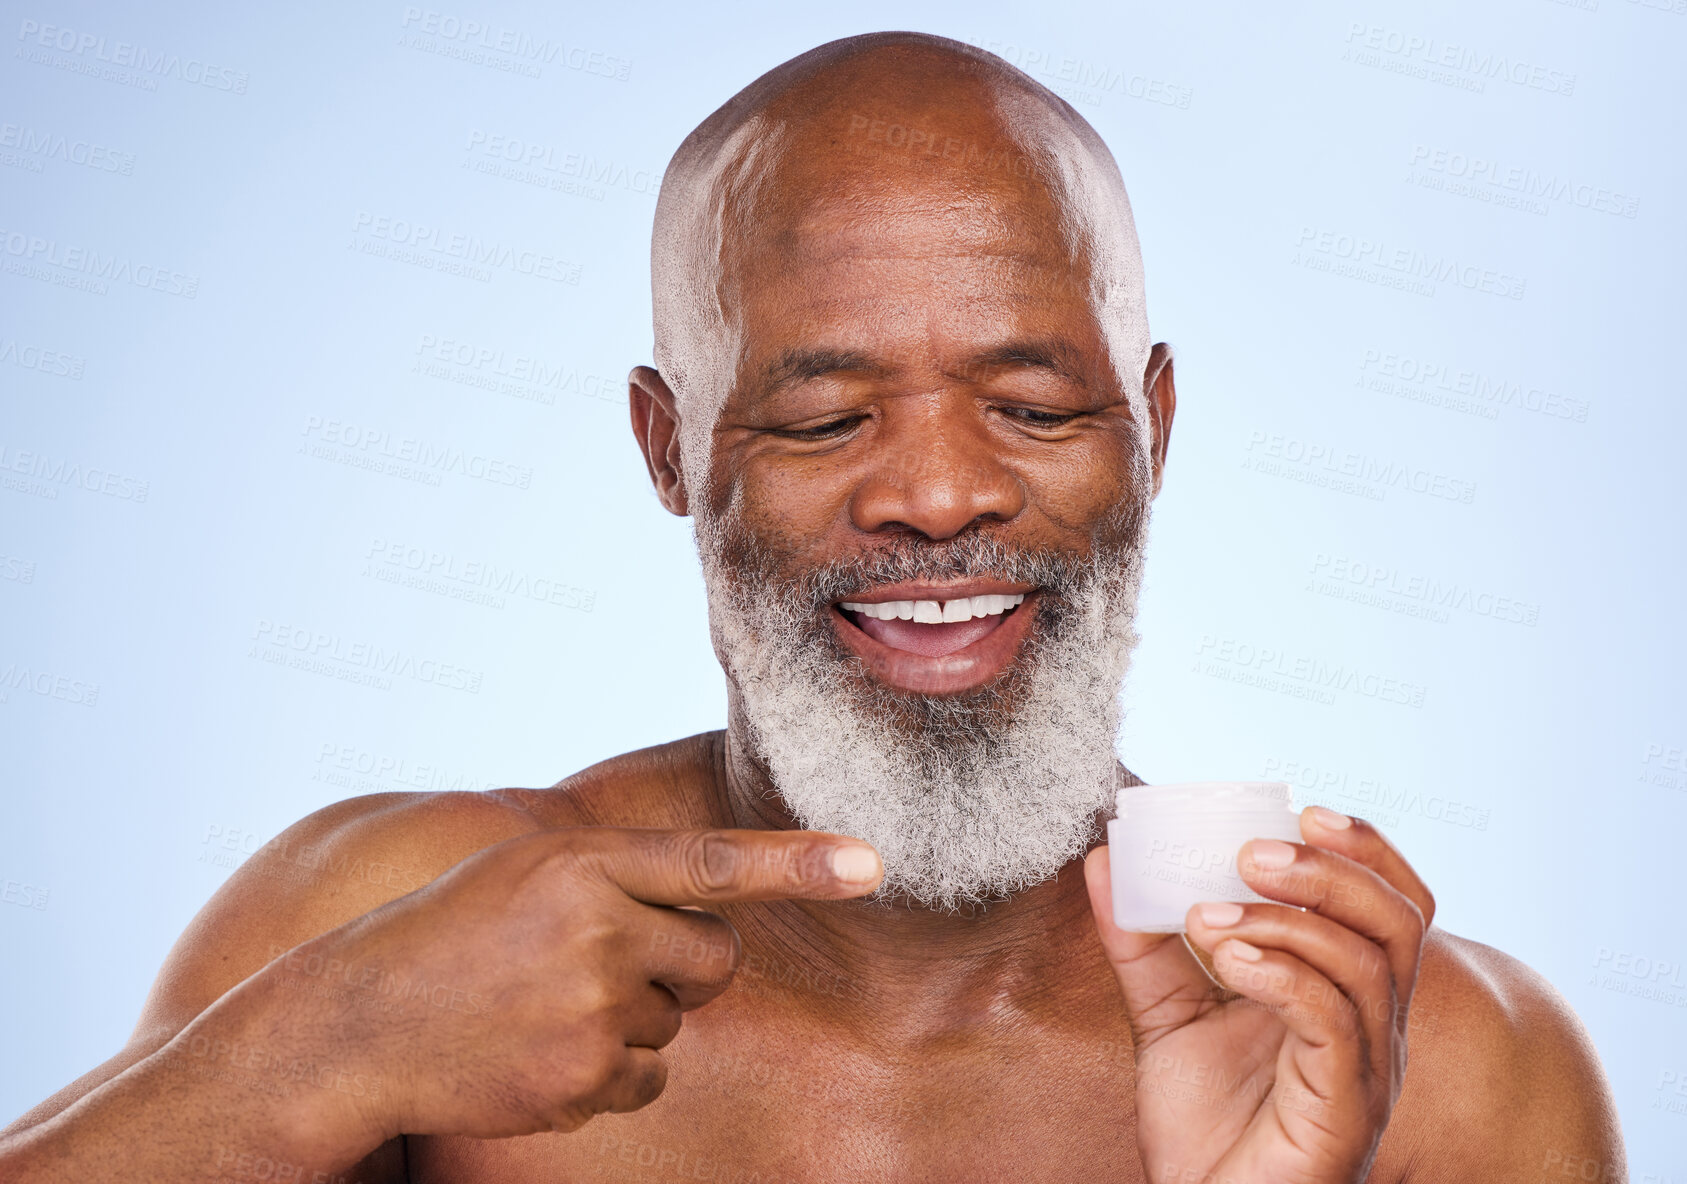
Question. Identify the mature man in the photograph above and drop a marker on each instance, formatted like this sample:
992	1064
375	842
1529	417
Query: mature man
905	387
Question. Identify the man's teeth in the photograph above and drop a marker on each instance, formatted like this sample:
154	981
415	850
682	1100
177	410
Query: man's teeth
932	612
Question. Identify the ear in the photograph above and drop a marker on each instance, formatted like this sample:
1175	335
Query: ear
656	424
1161	393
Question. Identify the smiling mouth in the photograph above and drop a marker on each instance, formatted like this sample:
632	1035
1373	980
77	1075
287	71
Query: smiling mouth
935	639
931	628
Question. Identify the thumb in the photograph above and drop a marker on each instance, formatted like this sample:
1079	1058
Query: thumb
1164	986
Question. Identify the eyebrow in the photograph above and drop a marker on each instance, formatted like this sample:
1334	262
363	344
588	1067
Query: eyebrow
1043	353
801	364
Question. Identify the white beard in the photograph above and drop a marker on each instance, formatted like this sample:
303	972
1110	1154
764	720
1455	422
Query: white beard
969	798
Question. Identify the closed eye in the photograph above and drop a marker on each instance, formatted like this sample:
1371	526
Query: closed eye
825	431
1037	418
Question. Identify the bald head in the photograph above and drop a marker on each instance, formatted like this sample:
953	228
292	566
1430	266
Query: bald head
888	145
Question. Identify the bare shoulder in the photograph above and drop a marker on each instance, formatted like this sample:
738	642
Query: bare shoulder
1504	1083
668	785
354	856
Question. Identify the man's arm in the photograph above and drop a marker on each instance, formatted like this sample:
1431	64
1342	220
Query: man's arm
1505	1084
337	864
525	987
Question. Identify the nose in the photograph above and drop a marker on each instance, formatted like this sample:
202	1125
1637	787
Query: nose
936	472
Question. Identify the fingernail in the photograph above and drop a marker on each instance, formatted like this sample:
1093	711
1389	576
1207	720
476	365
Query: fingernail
1242	950
1329	819
1219	914
855	864
1269	853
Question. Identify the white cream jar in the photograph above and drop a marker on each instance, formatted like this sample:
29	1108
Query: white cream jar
1174	846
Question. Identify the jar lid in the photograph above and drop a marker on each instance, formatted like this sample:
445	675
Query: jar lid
1205	797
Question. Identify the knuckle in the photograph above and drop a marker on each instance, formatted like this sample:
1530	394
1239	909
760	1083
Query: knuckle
565	1120
666	1030
599	936
709	860
734	953
596	1068
808	864
567	844
1380	987
1382	982
565	857
702	943
593	999
1412	922
719	949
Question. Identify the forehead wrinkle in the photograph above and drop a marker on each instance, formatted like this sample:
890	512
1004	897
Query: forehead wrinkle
1010	252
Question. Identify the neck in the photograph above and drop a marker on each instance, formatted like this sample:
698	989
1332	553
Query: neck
899	954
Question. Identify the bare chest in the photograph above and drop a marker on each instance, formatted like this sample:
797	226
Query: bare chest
758	1096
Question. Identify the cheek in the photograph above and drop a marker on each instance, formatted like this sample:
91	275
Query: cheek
1089	479
792	506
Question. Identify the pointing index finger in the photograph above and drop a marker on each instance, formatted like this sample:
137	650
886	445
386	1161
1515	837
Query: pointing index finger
700	867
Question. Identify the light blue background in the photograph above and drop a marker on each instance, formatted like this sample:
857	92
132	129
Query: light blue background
1246	133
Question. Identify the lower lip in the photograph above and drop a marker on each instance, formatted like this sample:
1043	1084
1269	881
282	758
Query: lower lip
948	674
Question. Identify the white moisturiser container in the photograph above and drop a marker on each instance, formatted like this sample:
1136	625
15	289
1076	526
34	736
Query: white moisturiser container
1173	846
